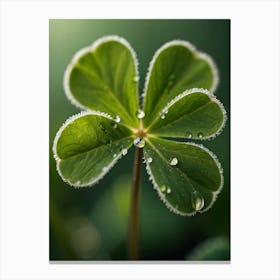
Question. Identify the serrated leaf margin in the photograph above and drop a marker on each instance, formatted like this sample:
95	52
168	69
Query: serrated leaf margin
92	48
211	96
162	197
105	170
193	49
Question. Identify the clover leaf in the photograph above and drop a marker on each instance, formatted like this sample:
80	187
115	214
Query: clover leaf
178	102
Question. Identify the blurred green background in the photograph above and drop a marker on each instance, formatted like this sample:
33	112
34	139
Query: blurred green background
91	223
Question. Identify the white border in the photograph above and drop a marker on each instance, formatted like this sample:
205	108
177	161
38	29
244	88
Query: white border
24	193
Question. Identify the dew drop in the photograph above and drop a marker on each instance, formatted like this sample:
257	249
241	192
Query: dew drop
189	134
168	190
117	119
136	79
104	169
114	155
124	151
163	113
173	161
149	160
163	188
139	142
200	135
140	114
114	125
197	201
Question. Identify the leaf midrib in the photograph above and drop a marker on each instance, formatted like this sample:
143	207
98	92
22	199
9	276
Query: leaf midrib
186	115
165	160
109	90
190	180
96	147
178	82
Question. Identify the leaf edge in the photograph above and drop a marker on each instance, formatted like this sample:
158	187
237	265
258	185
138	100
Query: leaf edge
215	193
58	160
197	54
212	98
92	48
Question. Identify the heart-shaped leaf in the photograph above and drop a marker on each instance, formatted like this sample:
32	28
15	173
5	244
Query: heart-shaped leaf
187	176
194	113
176	67
104	77
88	145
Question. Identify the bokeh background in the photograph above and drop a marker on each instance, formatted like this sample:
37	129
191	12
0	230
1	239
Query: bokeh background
91	223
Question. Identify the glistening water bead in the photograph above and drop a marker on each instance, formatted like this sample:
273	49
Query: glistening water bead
136	79
117	119
173	161
124	151
163	114
114	125
139	142
197	201
189	134
200	135
140	114
149	160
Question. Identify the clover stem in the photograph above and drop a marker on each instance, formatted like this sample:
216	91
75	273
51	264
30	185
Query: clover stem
134	216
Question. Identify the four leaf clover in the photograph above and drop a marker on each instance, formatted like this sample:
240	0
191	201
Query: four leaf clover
177	102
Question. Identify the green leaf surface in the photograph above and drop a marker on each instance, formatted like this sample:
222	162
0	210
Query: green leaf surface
104	77
194	113
176	67
187	176
88	145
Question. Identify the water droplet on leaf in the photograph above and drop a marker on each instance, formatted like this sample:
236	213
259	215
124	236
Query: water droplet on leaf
114	125
149	160
168	190
163	188
189	134
114	155
200	134
173	161
104	169
117	119
136	79
124	152
140	114
163	113
139	142
197	201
